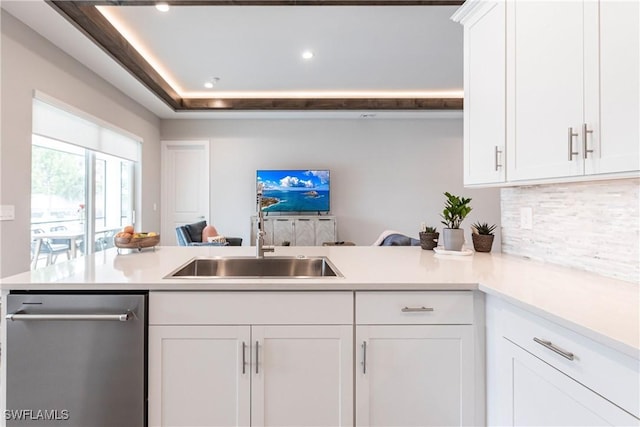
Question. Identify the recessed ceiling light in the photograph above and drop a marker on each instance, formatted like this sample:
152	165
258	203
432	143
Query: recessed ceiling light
209	84
307	54
162	7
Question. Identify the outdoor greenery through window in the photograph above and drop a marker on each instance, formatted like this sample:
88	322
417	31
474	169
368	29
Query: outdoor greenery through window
80	196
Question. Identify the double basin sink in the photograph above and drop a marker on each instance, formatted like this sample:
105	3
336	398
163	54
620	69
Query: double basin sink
251	267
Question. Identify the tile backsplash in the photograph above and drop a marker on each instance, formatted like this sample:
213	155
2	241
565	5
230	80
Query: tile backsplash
593	226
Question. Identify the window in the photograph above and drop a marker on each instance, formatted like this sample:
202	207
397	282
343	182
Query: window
82	186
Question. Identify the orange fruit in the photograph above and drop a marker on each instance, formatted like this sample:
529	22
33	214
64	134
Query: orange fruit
128	229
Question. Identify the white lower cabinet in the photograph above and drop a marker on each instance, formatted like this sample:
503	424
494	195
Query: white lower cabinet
541	374
196	376
252	374
416	366
541	395
414	375
302	376
287	359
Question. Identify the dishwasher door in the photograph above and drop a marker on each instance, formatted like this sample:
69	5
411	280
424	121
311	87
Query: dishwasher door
76	360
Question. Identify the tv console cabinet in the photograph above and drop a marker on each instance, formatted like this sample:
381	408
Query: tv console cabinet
298	230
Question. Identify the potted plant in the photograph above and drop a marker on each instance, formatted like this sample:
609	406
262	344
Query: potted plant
455	210
482	236
428	237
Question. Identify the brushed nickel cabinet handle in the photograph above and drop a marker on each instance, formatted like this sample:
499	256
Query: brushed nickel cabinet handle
497	152
571	153
244	357
585	132
364	357
554	348
416	309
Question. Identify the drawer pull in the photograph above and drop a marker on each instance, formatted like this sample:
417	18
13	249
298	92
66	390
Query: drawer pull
416	309
552	347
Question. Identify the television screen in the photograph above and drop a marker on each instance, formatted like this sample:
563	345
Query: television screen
294	190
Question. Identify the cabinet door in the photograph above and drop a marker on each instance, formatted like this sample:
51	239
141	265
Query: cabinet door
414	375
325	230
268	230
544	88
197	376
302	376
540	395
282	231
612	73
305	232
484	109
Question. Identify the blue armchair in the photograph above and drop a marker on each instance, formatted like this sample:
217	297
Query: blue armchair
191	235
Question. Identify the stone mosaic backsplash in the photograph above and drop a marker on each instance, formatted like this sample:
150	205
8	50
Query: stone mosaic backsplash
593	226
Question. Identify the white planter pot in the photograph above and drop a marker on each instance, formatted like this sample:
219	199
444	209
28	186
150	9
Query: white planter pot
453	239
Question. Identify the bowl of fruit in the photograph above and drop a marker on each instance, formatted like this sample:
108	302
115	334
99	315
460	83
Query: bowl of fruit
130	239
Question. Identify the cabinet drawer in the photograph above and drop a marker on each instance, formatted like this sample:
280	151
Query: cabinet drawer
612	374
250	308
408	307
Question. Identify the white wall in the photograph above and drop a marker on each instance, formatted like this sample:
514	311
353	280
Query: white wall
28	63
593	226
385	174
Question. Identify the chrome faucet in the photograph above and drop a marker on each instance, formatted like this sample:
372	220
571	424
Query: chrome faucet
260	248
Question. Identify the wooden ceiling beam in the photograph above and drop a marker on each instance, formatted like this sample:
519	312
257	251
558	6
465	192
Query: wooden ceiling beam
93	24
324	104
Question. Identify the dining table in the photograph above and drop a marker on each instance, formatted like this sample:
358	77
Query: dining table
72	235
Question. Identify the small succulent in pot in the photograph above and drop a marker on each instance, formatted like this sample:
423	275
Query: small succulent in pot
428	229
482	236
483	228
428	237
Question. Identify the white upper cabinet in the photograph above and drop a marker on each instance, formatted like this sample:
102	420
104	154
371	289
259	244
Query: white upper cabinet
572	88
552	88
544	89
612	109
484	89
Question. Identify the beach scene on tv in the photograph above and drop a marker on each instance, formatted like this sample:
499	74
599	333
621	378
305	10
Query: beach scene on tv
294	190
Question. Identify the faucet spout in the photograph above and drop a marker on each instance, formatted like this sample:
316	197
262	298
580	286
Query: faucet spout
260	248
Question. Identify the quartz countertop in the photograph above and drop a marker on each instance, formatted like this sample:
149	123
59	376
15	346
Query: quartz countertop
604	309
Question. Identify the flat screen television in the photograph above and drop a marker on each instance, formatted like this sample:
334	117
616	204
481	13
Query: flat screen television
294	190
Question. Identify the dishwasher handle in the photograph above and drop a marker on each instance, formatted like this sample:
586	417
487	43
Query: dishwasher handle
24	316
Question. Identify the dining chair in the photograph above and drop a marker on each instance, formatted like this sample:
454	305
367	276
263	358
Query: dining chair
67	242
48	248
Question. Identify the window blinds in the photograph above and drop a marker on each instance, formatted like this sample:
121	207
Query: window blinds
54	122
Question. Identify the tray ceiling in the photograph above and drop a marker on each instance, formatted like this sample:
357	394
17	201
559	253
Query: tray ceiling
367	55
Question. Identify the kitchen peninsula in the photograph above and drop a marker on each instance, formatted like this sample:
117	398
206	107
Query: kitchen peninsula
470	316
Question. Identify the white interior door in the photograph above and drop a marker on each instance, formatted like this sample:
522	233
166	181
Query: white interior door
185	185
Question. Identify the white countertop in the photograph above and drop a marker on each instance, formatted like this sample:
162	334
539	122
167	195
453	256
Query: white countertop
604	309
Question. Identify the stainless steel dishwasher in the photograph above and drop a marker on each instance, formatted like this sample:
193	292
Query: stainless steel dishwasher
76	360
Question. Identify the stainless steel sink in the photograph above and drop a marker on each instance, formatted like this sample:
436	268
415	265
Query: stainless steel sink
250	267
